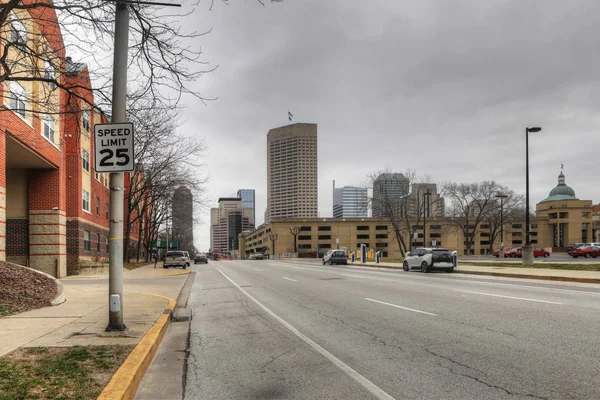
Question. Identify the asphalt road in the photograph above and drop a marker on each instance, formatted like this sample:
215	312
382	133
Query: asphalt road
275	330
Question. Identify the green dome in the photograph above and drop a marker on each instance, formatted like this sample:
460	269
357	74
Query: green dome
561	191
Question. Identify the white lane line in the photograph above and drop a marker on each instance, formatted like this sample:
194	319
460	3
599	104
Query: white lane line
289	279
352	276
543	287
507	297
367	384
404	308
256	269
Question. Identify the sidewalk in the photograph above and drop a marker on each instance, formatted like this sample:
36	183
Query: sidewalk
513	272
83	317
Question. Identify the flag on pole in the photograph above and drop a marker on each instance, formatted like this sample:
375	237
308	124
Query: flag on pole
290	116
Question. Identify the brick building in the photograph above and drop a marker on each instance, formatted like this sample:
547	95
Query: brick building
53	206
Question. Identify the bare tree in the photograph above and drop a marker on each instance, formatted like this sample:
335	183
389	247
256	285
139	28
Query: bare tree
470	204
406	212
511	209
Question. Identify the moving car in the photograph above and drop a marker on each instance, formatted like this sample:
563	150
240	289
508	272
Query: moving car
587	252
335	257
428	259
514	253
201	258
573	246
257	257
497	252
175	259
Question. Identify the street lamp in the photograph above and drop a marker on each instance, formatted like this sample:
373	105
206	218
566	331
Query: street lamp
426	199
527	250
501	197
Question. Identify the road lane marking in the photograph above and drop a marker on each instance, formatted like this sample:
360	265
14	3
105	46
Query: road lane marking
367	384
404	308
507	297
256	269
352	276
289	279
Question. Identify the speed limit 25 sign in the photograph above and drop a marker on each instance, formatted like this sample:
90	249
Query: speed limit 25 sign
113	147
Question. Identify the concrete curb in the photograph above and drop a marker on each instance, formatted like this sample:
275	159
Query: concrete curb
524	276
60	294
177	273
125	382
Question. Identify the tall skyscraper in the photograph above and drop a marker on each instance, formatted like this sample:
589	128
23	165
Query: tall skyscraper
292	172
388	188
349	201
227	222
183	218
417	201
248	201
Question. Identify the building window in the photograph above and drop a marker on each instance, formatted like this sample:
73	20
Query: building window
304	237
18	34
517	226
381	228
49	74
85	120
362	236
85	156
98	244
304	246
381	245
305	229
106	242
324	237
325	245
358	245
86	240
98	206
584	232
49	128
324	228
585	215
362	228
381	236
97	175
435	235
17	98
86	200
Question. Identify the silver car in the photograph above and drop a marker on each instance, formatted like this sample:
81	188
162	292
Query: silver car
428	259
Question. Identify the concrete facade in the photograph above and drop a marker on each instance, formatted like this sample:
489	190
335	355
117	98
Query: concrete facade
292	172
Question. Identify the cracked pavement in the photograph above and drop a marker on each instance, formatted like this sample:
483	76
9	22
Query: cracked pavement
426	339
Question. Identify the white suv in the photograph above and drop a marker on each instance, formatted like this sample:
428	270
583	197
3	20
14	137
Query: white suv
427	259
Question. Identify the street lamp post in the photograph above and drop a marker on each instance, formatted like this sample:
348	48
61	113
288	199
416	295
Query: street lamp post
501	197
426	197
527	249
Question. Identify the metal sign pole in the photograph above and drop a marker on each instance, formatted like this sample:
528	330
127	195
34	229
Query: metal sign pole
117	180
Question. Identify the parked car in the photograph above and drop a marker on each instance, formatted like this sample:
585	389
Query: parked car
497	252
575	245
335	257
175	259
187	258
587	252
514	253
428	259
539	252
200	258
257	257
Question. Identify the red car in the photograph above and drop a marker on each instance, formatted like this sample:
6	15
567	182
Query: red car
514	253
497	252
587	252
539	252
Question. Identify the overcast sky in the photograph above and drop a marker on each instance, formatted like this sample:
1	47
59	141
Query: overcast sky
443	87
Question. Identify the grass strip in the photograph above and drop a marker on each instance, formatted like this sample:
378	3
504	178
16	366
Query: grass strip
6	310
59	373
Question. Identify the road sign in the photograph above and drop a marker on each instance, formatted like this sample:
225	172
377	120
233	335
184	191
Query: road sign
113	147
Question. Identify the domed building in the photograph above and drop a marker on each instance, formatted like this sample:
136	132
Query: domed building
562	218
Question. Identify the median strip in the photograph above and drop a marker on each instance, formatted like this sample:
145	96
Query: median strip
403	308
508	297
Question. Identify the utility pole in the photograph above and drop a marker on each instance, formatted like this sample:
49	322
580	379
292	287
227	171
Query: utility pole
117	179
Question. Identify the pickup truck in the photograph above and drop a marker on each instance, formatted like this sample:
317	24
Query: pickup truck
175	259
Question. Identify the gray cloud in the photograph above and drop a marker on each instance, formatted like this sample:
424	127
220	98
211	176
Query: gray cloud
445	88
